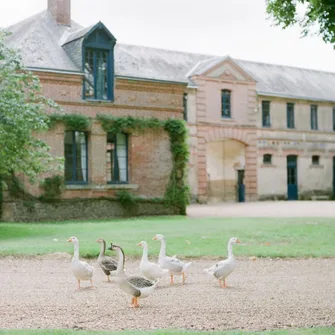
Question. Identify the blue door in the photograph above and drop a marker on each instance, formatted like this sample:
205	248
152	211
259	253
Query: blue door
240	186
292	178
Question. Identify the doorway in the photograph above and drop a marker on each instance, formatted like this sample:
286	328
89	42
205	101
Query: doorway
292	178
240	186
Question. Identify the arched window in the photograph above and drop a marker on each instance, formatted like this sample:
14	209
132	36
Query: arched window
225	104
267	159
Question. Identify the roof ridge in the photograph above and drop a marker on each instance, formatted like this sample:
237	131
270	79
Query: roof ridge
169	50
289	66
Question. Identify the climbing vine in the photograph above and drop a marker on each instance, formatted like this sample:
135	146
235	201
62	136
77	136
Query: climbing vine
72	121
177	191
52	187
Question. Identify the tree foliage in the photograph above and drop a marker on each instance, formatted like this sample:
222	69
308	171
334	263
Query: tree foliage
22	115
309	14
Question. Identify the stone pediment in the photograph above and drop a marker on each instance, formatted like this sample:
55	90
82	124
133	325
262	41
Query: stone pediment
228	70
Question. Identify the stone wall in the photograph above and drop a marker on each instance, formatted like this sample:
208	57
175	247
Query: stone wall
78	209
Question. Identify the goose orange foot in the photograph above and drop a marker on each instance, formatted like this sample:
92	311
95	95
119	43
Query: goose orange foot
171	280
136	304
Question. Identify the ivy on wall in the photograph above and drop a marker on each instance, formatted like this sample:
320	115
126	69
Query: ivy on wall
72	121
177	191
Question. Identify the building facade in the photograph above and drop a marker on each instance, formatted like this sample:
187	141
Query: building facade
256	131
261	131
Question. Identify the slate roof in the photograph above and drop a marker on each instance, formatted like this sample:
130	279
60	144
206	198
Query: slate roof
39	40
46	45
287	81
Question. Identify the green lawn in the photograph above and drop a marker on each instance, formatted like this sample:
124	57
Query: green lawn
311	331
267	237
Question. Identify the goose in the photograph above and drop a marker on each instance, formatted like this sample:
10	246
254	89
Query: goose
223	269
81	270
150	270
107	264
137	287
173	264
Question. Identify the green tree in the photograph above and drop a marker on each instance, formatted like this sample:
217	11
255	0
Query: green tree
309	14
22	116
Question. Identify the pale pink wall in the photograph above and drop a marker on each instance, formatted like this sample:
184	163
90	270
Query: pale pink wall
243	102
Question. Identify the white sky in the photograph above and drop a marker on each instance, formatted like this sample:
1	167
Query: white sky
239	28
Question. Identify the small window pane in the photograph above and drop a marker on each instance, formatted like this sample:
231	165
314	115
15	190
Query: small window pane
89	77
185	105
266	114
290	115
314	117
267	159
75	152
315	160
225	103
96	74
117	158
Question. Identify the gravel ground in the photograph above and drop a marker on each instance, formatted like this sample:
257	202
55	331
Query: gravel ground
264	209
264	294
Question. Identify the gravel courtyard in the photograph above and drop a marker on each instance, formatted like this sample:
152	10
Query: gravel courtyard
264	209
264	294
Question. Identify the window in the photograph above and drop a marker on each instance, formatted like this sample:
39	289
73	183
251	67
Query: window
267	159
315	160
75	147
266	114
225	104
96	74
314	117
334	118
117	158
185	106
290	115
98	63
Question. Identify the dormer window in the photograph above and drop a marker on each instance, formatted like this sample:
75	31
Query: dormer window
97	80
96	61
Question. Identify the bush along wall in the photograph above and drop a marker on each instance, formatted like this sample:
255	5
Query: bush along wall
177	193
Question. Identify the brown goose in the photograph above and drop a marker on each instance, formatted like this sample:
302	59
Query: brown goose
107	264
137	287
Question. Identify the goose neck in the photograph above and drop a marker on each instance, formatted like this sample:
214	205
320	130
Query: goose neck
102	248
230	250
145	252
120	266
162	251
76	250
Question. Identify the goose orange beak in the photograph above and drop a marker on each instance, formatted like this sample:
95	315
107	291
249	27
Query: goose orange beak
139	244
154	238
69	240
238	241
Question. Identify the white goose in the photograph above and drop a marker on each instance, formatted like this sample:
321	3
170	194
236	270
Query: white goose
223	269
137	287
173	264
148	269
81	270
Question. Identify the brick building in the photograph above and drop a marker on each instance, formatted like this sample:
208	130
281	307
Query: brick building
256	131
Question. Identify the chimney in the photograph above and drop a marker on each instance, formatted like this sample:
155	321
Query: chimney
60	11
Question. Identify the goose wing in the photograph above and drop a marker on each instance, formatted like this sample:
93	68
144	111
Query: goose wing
108	264
140	282
173	264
